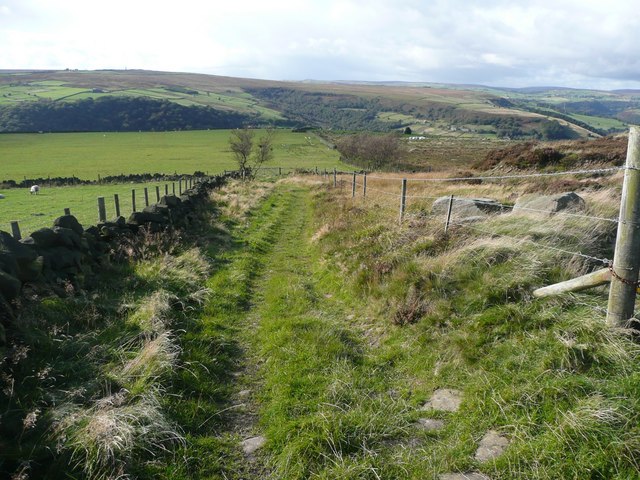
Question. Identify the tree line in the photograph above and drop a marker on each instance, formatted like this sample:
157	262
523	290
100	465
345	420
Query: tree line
113	113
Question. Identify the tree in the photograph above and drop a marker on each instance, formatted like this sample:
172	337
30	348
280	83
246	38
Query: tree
241	144
408	131
251	156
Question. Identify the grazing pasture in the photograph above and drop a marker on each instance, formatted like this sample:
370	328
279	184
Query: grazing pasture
89	155
37	211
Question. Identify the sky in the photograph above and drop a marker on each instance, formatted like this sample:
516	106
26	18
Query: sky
514	43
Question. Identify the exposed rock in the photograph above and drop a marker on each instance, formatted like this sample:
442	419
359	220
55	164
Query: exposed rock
253	444
491	446
430	424
466	207
549	204
444	399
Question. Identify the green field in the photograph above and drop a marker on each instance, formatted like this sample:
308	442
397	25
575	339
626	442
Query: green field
89	155
37	211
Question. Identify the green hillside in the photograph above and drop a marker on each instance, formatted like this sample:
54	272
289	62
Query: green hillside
426	108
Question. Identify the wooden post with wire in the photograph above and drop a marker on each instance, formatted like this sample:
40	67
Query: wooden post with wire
116	201
102	210
67	211
403	199
364	185
146	197
626	258
353	186
449	208
157	194
133	200
335	178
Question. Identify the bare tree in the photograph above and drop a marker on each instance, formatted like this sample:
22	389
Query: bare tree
241	144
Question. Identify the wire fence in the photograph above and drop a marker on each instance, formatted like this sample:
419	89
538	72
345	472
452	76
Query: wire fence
31	212
422	191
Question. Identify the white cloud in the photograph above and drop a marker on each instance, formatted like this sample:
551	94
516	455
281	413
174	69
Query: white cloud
562	42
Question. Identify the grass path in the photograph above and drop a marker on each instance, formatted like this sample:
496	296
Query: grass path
283	354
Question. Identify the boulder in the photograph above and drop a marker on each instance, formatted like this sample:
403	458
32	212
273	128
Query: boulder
142	218
70	222
67	237
43	238
170	201
466	207
549	204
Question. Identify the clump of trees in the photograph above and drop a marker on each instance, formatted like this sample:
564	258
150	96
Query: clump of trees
250	154
113	113
371	151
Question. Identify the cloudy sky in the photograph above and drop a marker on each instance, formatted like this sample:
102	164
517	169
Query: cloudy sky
573	43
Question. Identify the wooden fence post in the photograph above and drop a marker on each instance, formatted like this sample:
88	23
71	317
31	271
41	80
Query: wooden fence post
157	194
364	185
180	186
133	200
335	178
353	186
626	258
403	198
67	211
116	201
102	210
279	171
449	208
173	188
166	189
15	230
146	197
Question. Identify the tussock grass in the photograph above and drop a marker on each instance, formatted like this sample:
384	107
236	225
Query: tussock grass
547	373
108	436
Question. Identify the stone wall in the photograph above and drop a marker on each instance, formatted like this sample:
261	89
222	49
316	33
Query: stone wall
68	254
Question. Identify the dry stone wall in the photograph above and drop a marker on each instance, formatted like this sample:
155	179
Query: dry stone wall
69	253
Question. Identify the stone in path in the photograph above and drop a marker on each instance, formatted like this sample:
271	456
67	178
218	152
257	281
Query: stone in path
444	399
430	424
253	444
491	446
463	476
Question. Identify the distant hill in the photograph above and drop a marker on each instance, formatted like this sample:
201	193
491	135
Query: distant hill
50	100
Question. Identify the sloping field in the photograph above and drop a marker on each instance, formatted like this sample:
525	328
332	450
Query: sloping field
89	155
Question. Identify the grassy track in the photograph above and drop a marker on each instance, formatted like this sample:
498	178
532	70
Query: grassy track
87	155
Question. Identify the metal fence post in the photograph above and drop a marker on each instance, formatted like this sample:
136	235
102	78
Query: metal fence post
626	259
